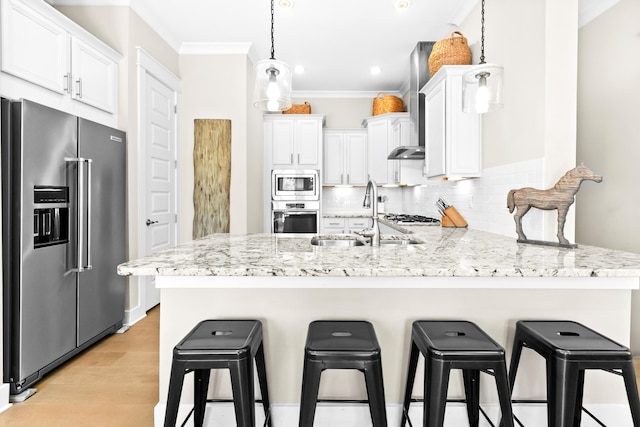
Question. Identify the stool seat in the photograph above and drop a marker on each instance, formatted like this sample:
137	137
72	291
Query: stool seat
569	349
220	344
334	344
454	344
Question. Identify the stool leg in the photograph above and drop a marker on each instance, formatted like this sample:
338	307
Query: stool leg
471	379
436	384
518	343
243	393
411	376
562	403
504	394
375	392
630	384
175	391
262	379
577	415
310	385
200	388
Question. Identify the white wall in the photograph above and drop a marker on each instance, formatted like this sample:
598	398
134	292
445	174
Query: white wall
214	87
609	135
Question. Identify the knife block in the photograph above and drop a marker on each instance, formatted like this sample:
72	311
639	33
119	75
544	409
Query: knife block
452	218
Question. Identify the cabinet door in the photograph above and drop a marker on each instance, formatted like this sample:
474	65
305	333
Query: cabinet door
394	165
282	140
34	48
463	141
435	135
358	224
333	225
333	164
356	158
94	76
307	139
378	141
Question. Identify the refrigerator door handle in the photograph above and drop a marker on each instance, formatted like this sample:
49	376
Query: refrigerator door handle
81	161
88	266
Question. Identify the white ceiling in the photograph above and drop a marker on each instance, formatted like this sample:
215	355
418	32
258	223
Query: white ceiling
336	41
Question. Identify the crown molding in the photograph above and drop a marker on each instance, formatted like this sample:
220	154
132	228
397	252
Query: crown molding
591	9
215	48
339	94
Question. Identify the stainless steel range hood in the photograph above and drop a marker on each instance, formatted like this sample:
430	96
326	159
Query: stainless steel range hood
418	77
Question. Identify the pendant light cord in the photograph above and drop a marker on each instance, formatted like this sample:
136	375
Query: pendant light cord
481	35
273	50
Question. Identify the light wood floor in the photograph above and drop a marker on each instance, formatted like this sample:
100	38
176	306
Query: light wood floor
114	383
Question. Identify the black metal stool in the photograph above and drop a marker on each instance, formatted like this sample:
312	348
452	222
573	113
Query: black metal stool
220	344
448	345
342	345
569	348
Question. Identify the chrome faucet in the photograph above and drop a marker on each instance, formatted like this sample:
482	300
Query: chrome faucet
371	194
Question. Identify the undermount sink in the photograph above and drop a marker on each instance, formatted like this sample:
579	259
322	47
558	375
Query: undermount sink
336	242
398	242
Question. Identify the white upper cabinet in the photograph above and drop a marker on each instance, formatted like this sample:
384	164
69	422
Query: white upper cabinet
94	76
386	132
34	48
345	157
380	136
43	47
453	138
293	141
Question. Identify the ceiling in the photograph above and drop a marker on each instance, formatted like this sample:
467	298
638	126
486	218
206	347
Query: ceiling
336	41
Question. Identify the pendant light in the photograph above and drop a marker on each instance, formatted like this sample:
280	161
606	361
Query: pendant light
272	91
482	84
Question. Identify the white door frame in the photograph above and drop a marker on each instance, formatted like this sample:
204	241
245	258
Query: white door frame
146	64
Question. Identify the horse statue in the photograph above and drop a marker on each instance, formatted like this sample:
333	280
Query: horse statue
560	197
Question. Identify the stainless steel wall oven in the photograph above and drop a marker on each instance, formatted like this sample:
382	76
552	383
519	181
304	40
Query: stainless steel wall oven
295	217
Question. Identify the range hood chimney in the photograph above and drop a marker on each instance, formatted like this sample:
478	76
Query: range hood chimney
418	77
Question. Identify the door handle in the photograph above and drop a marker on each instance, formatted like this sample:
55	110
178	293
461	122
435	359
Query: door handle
149	222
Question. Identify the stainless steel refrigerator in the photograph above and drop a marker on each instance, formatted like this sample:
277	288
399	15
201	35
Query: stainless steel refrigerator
63	234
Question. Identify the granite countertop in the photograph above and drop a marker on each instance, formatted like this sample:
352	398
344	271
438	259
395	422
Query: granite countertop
444	252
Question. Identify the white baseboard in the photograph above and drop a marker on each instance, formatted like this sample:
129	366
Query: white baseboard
4	397
357	415
134	315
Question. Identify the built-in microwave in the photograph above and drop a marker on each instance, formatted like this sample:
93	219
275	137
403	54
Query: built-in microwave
295	185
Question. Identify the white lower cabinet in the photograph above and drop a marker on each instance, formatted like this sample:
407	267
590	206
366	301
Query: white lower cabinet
345	157
334	225
342	225
357	224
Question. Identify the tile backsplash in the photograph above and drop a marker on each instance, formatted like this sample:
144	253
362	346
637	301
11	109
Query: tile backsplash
482	201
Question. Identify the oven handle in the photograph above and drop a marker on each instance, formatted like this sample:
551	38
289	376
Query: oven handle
296	212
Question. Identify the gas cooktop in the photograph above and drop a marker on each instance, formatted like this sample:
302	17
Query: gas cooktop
411	219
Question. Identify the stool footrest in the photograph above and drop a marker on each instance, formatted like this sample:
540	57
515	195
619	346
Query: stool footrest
484	414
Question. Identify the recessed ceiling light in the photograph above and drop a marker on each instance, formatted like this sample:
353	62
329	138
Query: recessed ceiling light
375	70
299	69
285	4
402	4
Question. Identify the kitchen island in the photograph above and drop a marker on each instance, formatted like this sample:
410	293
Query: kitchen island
486	278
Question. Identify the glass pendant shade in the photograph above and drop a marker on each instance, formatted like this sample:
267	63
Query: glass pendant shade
482	89
272	91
